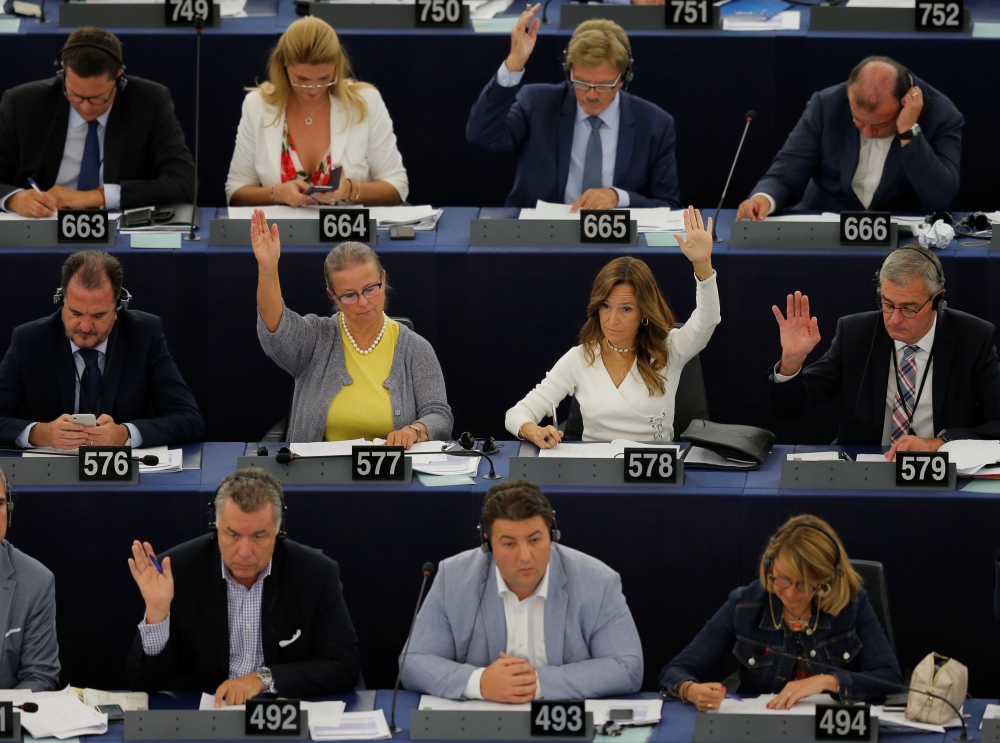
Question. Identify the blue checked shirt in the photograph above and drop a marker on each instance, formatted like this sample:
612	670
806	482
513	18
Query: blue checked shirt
246	648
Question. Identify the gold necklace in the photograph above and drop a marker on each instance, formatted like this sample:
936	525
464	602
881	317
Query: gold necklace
308	119
795	625
622	369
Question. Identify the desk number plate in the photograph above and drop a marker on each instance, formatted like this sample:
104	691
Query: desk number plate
689	14
104	463
864	228
82	226
378	463
6	719
651	465
948	16
603	226
834	722
185	12
338	225
558	718
273	717
922	468
439	14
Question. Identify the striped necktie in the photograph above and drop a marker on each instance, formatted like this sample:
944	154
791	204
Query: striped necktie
903	408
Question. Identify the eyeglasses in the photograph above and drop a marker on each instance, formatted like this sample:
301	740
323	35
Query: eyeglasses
312	87
908	312
784	583
369	292
602	88
93	100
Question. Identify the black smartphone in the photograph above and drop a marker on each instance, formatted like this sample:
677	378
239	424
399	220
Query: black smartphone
114	712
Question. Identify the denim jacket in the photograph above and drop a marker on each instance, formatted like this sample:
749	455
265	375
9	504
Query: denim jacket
853	640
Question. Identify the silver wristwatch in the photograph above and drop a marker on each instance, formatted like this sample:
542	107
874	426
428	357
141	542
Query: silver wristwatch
910	133
264	674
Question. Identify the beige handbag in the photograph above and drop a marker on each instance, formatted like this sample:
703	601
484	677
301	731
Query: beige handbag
939	675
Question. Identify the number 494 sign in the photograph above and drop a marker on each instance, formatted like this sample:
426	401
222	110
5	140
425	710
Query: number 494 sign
184	12
834	722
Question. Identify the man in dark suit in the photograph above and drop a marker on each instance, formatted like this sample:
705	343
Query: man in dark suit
90	137
911	377
242	611
94	356
883	141
585	142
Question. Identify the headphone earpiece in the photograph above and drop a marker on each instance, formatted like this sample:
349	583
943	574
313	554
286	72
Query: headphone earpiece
120	82
467	441
939	303
123	299
484	540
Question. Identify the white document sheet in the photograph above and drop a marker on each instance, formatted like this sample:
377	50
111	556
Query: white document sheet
427	457
787	20
971	455
814	456
758	705
171	460
62	716
327	448
207	704
596	450
881	3
870	458
644	711
657	219
354	726
129	701
418	217
470	705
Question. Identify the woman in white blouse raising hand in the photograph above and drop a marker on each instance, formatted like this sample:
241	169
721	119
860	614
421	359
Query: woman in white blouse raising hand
624	373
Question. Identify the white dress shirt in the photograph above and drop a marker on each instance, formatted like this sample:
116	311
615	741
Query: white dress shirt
871	163
69	168
609	117
101	348
923	416
628	411
525	630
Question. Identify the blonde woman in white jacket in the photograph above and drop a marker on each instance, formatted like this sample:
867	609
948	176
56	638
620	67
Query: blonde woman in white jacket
309	118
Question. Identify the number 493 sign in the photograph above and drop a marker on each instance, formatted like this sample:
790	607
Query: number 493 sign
562	719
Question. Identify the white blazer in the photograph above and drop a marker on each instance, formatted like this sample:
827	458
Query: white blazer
628	411
366	149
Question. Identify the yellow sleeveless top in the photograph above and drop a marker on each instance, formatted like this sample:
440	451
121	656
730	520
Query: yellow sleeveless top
362	409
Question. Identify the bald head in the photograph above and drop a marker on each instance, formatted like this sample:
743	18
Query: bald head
877	81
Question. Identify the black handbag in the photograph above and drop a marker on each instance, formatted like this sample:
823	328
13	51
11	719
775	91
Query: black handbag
737	447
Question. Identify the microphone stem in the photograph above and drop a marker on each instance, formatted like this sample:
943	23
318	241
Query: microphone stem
406	650
963	737
715	222
545	10
191	237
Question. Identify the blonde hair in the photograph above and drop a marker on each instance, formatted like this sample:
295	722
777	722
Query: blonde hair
650	339
311	41
597	41
812	556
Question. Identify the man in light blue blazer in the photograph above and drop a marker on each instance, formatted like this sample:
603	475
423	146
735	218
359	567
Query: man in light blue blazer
883	141
586	141
523	618
29	652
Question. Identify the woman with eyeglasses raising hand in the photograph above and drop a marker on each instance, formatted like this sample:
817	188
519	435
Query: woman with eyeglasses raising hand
312	125
359	373
809	606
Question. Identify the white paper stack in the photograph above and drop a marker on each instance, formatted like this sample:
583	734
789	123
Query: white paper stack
428	457
129	701
326	448
787	20
971	456
417	217
63	716
758	705
207	704
354	726
658	219
597	450
814	456
644	711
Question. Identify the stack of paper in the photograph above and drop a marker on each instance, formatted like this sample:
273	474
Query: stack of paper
758	705
12	217
62	715
353	726
973	457
788	20
327	448
598	450
417	217
428	457
658	219
815	456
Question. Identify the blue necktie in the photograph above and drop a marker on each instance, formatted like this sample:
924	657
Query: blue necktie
90	383
593	163
90	166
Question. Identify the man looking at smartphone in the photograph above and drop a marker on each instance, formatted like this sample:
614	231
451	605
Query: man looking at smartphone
94	372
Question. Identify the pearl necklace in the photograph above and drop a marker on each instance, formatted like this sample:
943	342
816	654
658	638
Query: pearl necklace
350	337
619	350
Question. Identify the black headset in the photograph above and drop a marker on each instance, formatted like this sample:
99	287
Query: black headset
213	526
627	76
968	226
120	82
124	297
484	538
468	442
769	562
939	304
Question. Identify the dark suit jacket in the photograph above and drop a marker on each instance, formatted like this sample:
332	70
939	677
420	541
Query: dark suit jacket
535	122
303	594
966	385
144	148
815	167
142	384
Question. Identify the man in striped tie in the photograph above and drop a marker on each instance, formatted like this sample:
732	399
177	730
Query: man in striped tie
910	376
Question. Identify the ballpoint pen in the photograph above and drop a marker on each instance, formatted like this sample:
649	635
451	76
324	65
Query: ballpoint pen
34	185
156	562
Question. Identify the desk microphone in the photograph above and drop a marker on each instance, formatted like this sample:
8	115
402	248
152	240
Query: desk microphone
428	571
149	460
474	453
765	650
284	457
199	24
27	707
751	115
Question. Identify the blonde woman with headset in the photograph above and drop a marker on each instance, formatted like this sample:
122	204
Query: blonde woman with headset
807	604
312	125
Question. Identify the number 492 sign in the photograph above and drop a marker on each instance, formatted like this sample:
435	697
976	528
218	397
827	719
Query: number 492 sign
267	717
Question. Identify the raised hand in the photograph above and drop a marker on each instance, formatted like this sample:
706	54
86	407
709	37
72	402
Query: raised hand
698	246
266	243
157	588
799	333
522	38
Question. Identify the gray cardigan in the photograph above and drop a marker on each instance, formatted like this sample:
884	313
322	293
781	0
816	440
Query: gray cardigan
310	348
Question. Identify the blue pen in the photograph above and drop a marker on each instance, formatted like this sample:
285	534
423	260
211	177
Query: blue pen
156	562
34	185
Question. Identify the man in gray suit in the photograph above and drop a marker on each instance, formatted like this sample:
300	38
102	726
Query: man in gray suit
523	618
29	652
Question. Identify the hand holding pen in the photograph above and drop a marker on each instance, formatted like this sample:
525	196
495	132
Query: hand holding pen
155	581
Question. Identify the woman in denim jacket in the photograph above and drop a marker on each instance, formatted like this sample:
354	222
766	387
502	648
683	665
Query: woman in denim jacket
808	603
